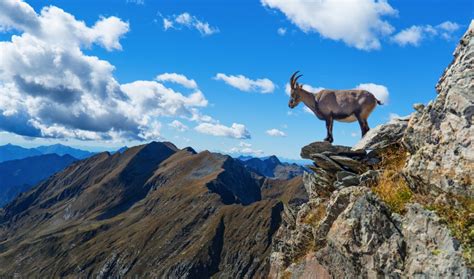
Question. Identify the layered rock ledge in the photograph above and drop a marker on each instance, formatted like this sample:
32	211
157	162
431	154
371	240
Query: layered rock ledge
348	230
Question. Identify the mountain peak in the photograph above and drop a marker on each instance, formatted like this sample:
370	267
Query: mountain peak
274	159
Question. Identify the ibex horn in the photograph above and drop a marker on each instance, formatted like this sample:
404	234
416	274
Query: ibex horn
296	79
292	79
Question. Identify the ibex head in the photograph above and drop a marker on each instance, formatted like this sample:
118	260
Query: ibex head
295	96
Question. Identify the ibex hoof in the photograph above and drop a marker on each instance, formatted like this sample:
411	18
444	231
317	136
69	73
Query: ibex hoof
330	140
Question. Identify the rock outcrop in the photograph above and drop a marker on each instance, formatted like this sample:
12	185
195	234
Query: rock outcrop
396	205
439	136
346	230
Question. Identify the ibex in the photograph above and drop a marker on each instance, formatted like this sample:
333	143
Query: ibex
339	105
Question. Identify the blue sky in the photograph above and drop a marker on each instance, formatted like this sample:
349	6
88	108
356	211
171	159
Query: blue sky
402	46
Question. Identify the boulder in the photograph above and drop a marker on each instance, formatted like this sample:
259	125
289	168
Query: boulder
383	135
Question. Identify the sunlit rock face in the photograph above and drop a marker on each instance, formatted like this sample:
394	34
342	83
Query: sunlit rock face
440	135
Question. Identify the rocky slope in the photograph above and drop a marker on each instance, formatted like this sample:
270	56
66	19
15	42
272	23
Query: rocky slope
440	135
151	211
397	205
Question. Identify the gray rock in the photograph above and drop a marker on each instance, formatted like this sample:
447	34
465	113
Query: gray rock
419	107
325	163
440	137
317	183
341	174
383	135
368	178
326	148
362	241
349	163
320	147
346	180
431	250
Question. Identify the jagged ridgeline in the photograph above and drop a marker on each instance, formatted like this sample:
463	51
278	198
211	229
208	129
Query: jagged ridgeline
399	204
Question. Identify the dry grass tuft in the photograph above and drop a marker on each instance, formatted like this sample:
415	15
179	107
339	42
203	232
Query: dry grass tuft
391	186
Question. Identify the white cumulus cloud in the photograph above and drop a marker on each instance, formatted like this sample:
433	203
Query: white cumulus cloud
380	92
243	83
358	23
415	34
237	131
50	88
189	21
275	133
177	78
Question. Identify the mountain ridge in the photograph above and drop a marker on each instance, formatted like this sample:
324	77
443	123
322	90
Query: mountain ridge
186	213
272	167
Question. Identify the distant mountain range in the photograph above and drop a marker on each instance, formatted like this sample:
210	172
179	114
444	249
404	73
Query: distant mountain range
282	159
17	176
152	211
13	152
63	150
272	167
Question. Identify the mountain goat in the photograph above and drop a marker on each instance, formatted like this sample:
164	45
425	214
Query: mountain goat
340	105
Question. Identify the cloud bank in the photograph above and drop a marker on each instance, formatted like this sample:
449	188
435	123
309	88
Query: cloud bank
358	23
50	88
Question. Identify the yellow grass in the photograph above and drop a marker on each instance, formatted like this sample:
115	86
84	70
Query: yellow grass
391	186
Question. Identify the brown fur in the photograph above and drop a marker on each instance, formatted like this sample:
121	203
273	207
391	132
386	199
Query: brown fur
340	105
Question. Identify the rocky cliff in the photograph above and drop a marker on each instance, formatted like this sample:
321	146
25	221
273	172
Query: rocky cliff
399	204
439	136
